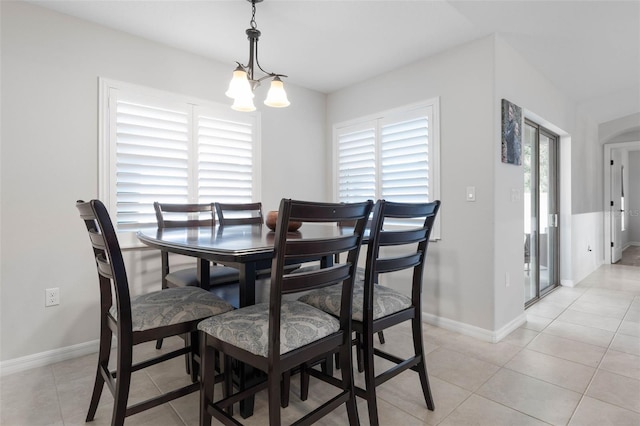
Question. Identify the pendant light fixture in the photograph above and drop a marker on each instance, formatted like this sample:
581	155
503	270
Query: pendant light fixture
244	82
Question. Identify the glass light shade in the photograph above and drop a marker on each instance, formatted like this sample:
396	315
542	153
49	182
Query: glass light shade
239	86
244	104
277	97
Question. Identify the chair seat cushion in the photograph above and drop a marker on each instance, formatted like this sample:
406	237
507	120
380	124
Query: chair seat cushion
173	306
386	301
248	328
217	275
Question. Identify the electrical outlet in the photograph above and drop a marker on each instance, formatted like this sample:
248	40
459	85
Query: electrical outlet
52	297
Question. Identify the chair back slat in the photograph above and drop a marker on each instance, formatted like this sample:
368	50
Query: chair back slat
391	238
184	215
239	213
104	267
97	240
303	281
348	214
320	248
398	263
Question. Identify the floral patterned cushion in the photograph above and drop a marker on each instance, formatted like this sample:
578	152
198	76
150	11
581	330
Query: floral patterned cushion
248	328
173	306
386	301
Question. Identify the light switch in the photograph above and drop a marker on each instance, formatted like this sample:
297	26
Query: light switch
471	193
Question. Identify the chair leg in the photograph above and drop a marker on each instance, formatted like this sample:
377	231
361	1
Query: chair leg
348	383
207	371
187	357
369	376
304	382
416	326
359	354
227	371
273	387
103	363
123	384
192	341
159	344
286	388
327	366
381	337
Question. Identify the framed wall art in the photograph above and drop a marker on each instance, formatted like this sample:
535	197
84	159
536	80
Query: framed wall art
511	133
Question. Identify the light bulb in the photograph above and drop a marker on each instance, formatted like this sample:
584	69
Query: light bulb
239	86
277	97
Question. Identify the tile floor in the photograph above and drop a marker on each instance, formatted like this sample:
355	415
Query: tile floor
575	362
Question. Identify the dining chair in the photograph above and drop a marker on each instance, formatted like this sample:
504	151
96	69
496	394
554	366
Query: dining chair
239	213
397	246
180	215
190	215
283	334
138	319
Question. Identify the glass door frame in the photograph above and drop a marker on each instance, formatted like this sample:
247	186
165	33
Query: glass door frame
553	211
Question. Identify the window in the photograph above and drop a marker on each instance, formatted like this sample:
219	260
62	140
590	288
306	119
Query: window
158	146
393	155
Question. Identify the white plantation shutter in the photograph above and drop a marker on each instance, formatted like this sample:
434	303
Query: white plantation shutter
404	160
225	160
152	160
157	146
357	164
392	156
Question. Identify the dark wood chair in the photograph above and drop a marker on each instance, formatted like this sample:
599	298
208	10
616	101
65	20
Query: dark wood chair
398	243
239	213
190	215
223	278
283	334
135	320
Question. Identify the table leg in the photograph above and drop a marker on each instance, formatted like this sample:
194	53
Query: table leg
247	284
204	276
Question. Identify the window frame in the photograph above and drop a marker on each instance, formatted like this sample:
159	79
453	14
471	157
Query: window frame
107	160
376	121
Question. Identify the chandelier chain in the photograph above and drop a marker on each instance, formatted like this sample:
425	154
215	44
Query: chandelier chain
253	16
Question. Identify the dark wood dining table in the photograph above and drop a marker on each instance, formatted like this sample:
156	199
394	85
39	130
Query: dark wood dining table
248	248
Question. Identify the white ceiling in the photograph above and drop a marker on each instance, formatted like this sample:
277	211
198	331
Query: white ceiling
589	49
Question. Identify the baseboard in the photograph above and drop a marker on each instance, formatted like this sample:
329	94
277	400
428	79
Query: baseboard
42	359
473	331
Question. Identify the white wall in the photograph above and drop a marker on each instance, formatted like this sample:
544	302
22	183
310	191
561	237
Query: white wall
623	129
465	286
50	68
518	82
459	271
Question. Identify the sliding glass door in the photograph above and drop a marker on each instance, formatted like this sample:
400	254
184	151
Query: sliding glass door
541	236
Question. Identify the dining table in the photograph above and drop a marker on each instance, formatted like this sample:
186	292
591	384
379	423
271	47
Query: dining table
248	248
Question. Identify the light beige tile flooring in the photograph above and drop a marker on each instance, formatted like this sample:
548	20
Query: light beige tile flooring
576	361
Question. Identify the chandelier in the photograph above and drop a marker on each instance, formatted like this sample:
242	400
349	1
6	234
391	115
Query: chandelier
244	81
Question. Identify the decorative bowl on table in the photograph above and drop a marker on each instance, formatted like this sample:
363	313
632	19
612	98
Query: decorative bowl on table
272	219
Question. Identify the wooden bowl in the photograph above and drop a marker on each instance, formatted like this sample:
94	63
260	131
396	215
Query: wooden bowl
272	219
